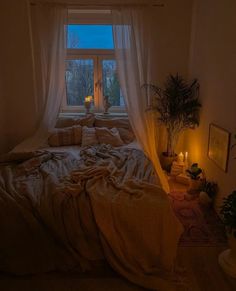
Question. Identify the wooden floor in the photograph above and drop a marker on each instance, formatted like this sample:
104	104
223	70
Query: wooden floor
201	263
203	273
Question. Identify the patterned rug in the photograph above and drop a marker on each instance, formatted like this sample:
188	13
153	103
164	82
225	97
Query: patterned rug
202	225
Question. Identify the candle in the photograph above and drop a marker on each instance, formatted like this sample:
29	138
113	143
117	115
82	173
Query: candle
186	156
88	98
88	103
186	159
181	157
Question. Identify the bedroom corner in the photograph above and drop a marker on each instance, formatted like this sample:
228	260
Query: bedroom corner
117	149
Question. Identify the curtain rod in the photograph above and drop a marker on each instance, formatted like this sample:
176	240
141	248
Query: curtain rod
97	5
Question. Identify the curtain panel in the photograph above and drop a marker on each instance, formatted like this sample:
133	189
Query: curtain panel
49	51
133	38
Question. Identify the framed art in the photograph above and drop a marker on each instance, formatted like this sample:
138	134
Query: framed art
218	146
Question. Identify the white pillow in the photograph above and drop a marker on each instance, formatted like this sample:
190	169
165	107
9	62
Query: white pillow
89	136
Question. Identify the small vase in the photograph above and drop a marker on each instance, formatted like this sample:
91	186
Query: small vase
87	105
204	199
194	186
227	259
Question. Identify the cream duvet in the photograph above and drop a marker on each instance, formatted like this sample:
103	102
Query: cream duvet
59	211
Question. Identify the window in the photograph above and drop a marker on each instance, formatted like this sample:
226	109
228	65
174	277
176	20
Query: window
91	68
89	36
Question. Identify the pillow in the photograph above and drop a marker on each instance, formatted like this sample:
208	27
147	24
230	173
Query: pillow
126	135
122	124
114	122
109	136
87	120
89	136
65	136
65	122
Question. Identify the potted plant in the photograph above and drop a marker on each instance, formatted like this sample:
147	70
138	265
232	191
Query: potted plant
177	105
208	192
227	259
194	172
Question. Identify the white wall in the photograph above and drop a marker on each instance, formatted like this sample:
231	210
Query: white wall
173	34
213	62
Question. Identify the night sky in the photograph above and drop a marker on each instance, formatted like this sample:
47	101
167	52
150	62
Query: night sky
90	36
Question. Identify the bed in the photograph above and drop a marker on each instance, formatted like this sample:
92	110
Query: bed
68	207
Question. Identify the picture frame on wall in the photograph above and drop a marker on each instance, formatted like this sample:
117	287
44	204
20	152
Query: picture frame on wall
218	146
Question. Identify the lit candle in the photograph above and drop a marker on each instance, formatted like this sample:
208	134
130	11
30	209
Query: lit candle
88	98
181	157
87	103
186	157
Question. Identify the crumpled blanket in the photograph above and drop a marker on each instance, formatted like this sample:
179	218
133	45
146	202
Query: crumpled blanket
61	212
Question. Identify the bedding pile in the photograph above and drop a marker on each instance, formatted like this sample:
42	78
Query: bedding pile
59	212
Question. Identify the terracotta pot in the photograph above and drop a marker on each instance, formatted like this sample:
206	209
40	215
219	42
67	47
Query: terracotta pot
194	185
204	199
166	161
227	259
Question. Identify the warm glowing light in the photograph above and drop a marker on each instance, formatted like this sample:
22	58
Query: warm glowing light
186	156
88	99
181	157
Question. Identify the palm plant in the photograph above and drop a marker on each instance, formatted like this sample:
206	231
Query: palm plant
177	105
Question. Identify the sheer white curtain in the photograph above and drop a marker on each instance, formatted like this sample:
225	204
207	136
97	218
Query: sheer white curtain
49	51
133	37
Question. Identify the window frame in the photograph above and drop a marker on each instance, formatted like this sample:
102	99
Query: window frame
97	55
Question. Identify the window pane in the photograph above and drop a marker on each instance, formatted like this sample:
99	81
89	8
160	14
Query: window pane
79	81
111	86
89	36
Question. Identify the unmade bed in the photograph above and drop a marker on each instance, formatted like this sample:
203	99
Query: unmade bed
69	207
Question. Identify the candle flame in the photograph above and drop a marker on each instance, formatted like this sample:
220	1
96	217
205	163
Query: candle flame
88	98
181	157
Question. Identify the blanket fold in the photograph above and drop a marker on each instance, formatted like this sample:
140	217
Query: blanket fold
105	204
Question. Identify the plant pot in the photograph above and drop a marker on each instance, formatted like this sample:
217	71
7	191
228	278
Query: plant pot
194	186
166	161
204	199
227	259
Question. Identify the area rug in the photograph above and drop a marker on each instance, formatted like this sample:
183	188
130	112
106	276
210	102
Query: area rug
202	225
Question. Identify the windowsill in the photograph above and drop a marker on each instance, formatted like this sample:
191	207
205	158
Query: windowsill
97	114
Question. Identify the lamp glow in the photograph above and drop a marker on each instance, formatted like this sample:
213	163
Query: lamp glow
186	156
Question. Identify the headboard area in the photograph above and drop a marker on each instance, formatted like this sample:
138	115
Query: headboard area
91	120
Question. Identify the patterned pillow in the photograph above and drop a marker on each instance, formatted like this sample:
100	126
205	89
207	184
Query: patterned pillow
122	124
65	122
89	136
109	136
126	135
66	136
87	120
112	122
